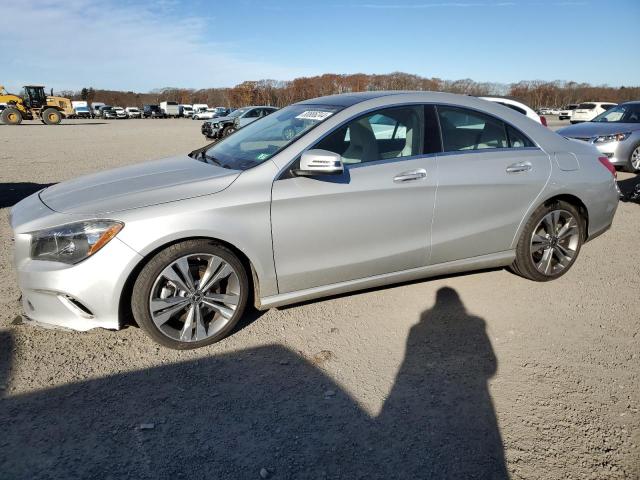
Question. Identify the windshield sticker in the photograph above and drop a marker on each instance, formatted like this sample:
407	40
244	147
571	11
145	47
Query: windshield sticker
262	156
315	115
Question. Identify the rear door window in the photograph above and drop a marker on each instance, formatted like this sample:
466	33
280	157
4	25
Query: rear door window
465	130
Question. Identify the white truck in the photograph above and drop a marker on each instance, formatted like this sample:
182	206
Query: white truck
186	110
95	108
170	109
200	107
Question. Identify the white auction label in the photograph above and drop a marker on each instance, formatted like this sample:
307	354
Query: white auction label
317	115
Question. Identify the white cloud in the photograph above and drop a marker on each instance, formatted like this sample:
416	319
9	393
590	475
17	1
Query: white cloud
74	43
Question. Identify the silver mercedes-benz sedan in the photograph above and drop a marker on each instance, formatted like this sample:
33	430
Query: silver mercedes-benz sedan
616	133
325	196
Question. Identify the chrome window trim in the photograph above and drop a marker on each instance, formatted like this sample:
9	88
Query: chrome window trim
487	150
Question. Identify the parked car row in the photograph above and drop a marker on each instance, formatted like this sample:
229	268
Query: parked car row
578	112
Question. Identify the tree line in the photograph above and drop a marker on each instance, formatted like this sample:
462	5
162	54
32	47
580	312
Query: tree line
536	93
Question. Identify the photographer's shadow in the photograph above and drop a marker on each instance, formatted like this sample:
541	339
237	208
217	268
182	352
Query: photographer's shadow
440	405
227	416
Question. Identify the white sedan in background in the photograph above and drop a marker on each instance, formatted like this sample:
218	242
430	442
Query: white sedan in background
518	107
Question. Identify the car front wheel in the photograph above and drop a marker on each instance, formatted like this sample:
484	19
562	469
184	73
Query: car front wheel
550	242
190	294
634	161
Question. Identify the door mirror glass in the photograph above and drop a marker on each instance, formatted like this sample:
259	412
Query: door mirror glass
319	162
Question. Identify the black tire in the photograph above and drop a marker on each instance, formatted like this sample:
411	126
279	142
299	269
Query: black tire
142	290
228	130
51	116
525	263
11	116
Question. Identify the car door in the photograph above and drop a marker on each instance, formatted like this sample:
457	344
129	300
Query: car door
489	174
373	219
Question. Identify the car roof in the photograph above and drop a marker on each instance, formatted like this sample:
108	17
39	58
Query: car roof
349	99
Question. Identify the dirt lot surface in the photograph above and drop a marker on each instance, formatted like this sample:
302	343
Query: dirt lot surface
470	376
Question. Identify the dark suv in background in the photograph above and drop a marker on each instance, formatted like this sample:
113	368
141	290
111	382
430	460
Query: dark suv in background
222	126
152	111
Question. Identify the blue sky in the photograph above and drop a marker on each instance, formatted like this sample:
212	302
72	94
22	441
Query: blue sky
137	45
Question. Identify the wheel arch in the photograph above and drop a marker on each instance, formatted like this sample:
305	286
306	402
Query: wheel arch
565	197
125	314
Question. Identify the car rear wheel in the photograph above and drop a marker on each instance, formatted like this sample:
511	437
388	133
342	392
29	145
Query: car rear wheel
550	242
190	294
634	161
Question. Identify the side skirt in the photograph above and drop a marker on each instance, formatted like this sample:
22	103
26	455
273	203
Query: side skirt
492	260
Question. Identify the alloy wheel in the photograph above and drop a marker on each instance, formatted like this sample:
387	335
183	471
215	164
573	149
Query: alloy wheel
194	297
554	242
635	158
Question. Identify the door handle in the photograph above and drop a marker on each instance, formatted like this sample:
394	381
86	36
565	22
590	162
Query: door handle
410	175
519	167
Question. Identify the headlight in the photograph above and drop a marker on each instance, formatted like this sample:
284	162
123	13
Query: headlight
616	137
216	125
74	242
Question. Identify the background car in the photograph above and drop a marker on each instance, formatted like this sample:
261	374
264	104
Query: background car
152	111
587	111
207	114
82	112
185	242
223	126
120	113
566	112
616	133
518	107
107	112
133	112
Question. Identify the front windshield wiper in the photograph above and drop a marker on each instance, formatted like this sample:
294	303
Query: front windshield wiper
212	160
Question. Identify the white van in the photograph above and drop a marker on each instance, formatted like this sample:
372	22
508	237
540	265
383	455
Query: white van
185	110
95	107
200	107
170	109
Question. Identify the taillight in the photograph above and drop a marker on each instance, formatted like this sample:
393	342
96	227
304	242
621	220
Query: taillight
543	120
609	166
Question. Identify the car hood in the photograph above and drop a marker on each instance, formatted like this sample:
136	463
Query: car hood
591	129
136	186
222	119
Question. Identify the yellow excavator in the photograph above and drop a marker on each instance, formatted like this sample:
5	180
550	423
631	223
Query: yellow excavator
31	104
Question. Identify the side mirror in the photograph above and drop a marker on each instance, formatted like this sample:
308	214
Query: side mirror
319	162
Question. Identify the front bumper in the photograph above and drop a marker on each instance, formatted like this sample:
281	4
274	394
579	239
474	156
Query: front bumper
209	131
618	153
81	296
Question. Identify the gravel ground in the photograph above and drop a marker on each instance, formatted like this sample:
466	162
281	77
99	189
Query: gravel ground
472	376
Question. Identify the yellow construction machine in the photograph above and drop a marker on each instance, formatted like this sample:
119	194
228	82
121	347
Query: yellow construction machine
31	104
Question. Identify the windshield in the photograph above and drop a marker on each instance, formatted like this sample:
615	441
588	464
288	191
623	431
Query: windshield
262	139
629	113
